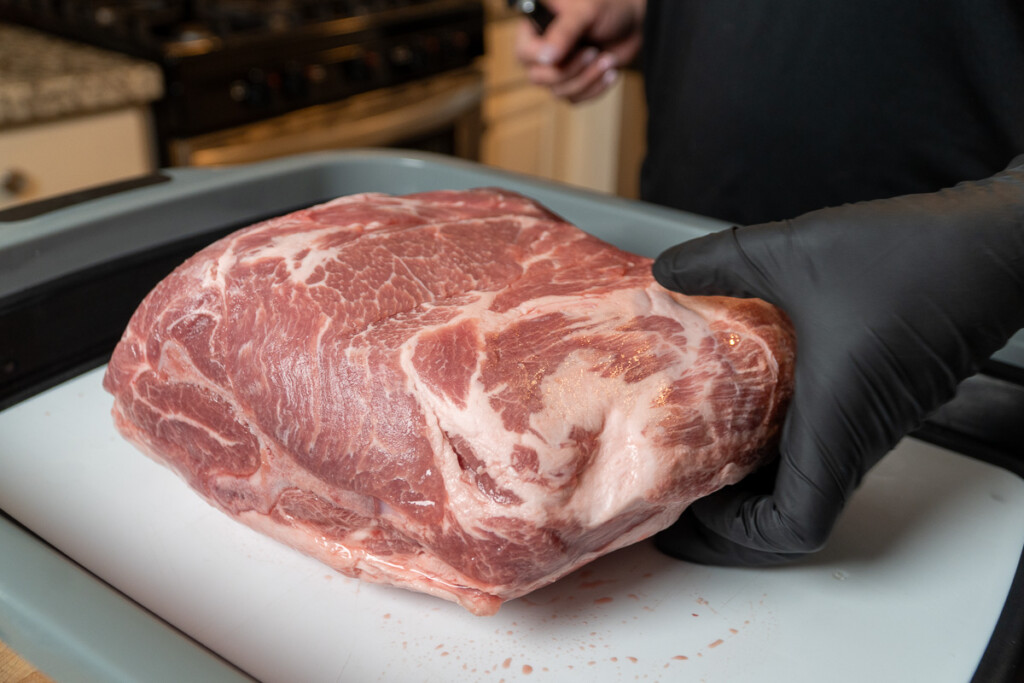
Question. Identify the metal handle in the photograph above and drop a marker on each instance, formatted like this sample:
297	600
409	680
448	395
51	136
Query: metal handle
377	119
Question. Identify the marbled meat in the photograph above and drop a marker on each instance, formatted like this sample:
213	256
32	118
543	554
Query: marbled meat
454	392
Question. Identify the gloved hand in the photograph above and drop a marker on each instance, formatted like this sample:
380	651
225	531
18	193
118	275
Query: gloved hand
579	55
894	302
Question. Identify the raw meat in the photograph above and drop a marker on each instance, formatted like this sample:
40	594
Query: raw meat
454	392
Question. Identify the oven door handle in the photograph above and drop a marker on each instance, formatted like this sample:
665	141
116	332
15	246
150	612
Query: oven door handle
381	118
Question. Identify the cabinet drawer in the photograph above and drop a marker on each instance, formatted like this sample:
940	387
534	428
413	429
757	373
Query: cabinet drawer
47	159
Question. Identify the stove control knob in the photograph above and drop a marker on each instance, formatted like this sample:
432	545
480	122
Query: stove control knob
401	56
238	90
254	90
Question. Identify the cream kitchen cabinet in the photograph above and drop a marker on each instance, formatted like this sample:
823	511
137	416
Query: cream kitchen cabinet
54	157
71	116
596	145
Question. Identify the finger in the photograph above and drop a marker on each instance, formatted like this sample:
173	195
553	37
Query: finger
597	88
767	523
692	540
528	44
625	50
562	75
813	481
565	33
712	264
591	77
688	539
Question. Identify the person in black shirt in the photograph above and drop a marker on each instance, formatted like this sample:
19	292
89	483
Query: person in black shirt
872	156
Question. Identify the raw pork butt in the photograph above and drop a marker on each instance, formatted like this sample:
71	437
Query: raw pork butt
453	392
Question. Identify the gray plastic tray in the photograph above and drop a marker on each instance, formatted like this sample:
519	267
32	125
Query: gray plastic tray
75	626
196	201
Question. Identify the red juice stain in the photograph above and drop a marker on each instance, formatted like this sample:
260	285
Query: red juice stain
716	643
681	657
594	584
527	669
507	663
603	601
732	630
632	659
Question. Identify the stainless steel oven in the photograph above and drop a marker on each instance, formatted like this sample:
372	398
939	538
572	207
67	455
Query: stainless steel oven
254	79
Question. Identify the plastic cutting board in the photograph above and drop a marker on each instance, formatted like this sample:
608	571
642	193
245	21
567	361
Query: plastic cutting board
909	589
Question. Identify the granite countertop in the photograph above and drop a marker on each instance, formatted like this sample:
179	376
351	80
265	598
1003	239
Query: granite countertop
44	78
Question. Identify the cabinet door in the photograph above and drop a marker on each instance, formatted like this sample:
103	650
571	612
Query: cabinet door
595	144
519	132
56	157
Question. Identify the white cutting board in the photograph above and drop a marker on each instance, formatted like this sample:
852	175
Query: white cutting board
909	588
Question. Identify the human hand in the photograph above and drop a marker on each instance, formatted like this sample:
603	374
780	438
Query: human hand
893	302
579	55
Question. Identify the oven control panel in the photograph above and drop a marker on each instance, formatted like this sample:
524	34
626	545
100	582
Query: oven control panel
232	62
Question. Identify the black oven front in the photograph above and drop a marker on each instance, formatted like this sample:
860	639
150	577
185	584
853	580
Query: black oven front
240	74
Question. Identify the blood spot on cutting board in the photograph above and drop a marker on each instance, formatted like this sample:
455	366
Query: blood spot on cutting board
681	657
507	663
603	601
527	669
716	643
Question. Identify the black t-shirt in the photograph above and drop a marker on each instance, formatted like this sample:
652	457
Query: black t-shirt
764	110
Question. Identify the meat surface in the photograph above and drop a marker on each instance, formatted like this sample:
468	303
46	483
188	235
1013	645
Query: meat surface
453	392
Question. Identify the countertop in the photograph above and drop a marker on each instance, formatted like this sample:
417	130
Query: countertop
43	78
14	669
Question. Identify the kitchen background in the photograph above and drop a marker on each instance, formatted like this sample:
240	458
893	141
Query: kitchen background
96	91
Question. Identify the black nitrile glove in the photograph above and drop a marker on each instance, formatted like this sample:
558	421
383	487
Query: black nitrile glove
894	302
